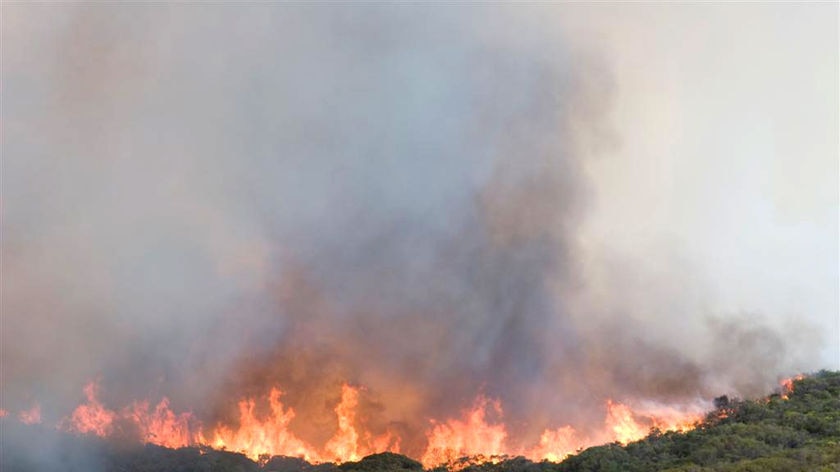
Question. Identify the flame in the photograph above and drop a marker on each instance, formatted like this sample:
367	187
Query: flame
478	432
469	436
3	412
255	437
345	443
161	425
787	385
387	441
680	422
621	421
630	425
91	417
556	445
31	416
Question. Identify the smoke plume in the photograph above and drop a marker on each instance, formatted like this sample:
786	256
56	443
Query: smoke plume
204	203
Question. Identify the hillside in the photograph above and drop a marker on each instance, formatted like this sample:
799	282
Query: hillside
798	431
795	431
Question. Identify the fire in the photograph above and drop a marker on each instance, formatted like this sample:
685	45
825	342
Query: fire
31	416
621	421
787	385
345	443
469	436
556	445
158	425
630	425
3	412
256	436
479	432
91	417
473	435
161	425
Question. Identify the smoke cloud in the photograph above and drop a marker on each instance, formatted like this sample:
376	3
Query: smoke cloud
202	203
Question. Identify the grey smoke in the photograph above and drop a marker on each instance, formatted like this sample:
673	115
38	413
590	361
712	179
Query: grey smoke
204	202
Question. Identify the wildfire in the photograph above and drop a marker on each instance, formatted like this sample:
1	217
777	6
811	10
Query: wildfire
556	444
91	417
479	432
621	421
346	440
161	425
787	385
469	436
256	436
473	435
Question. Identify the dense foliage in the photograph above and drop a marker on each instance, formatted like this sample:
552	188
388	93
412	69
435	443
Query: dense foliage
799	431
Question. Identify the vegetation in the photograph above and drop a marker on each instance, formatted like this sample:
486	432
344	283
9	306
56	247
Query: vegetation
796	432
384	462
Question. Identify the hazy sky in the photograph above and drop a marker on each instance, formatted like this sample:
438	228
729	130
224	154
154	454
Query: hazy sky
725	166
600	200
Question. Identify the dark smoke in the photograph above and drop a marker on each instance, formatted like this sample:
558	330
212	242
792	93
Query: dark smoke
206	202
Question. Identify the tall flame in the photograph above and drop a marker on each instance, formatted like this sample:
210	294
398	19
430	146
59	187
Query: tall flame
471	435
345	443
91	417
623	424
161	425
479	431
267	436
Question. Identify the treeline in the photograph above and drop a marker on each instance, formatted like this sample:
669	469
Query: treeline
799	431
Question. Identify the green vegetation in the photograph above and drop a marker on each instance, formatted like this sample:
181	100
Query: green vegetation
801	433
384	462
798	433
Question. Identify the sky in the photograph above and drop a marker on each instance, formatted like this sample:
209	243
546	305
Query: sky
728	161
601	200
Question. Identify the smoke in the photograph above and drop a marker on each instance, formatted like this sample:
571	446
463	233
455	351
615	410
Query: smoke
206	202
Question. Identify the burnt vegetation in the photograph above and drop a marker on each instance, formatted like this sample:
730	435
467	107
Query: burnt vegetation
795	431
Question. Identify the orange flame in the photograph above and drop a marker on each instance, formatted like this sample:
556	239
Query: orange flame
345	443
479	432
787	385
556	445
91	417
621	421
269	436
161	426
469	436
630	425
